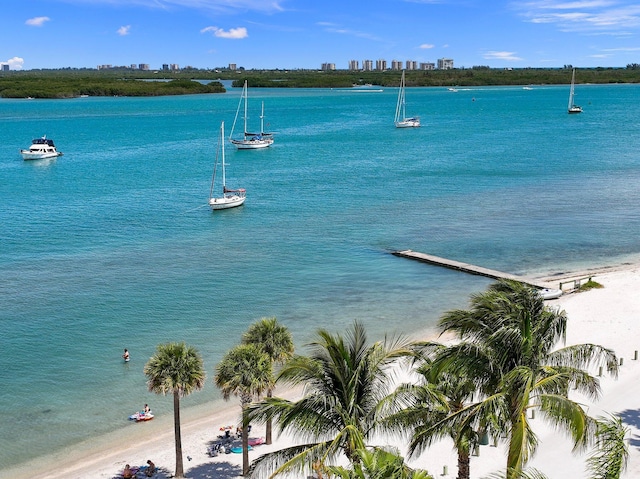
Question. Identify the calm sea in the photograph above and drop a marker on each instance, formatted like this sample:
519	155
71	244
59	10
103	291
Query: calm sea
111	246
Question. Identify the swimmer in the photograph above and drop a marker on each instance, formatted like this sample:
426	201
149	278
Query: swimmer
125	356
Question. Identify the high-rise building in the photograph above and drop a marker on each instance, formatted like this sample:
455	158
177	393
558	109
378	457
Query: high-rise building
427	66
233	66
396	65
445	64
143	66
381	64
5	67
328	66
411	65
353	65
367	65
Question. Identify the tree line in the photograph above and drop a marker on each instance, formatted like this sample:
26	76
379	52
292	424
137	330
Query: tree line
68	83
507	363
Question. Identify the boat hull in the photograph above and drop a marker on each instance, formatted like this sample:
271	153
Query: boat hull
226	202
30	155
574	109
408	123
252	144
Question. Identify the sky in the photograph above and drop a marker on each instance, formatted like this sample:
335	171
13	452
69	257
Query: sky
294	34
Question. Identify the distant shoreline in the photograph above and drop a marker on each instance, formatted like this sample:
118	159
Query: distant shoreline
71	83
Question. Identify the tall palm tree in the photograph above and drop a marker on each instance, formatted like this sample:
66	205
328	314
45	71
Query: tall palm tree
345	381
245	372
277	343
507	344
178	369
429	402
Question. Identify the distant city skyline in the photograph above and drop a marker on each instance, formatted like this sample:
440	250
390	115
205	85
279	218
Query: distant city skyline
304	34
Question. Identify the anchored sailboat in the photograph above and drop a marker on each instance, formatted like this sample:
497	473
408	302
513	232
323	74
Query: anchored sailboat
573	108
229	198
401	120
250	141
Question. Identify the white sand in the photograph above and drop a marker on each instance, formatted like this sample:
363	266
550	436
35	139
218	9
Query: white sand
605	316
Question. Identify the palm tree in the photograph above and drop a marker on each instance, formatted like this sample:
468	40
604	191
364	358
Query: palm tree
507	344
611	455
245	372
175	368
379	464
277	343
346	380
431	401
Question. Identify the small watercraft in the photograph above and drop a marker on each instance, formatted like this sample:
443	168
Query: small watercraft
141	416
40	149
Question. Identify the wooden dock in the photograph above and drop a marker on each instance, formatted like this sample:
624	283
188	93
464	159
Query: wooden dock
467	268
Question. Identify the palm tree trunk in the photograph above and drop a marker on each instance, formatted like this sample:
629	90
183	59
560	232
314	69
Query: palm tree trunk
269	422
245	439
464	468
176	425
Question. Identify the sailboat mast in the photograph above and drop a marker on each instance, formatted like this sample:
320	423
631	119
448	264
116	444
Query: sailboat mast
246	100
573	79
262	120
224	179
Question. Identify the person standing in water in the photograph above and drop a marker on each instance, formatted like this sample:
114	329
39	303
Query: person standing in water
125	356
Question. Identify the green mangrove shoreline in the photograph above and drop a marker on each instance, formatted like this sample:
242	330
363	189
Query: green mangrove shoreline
71	83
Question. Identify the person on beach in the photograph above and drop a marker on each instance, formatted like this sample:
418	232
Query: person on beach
151	469
127	473
125	356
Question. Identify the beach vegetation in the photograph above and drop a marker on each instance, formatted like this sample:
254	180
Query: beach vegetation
378	463
346	383
507	342
609	460
437	395
177	369
275	340
245	372
591	284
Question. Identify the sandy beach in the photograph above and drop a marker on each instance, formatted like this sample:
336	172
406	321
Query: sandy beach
604	316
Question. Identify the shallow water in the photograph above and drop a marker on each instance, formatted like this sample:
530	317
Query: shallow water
112	245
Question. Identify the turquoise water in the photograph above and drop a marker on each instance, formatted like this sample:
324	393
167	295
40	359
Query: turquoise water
111	246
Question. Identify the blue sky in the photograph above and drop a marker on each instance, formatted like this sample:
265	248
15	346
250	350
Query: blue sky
290	34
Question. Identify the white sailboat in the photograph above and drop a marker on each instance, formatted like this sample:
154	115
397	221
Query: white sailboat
401	120
250	141
573	108
229	198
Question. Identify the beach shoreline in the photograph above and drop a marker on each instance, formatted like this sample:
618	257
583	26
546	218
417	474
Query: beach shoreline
105	457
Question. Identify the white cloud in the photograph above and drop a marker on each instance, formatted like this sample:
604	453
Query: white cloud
589	16
426	46
124	30
37	21
15	63
505	56
224	6
232	33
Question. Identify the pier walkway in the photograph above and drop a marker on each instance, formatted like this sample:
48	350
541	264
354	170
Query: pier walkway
468	268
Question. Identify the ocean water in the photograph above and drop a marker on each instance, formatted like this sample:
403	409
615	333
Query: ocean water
112	246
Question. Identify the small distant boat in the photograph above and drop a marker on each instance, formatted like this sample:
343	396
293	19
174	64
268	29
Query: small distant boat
141	416
401	120
228	198
452	89
527	88
548	293
250	141
40	149
573	108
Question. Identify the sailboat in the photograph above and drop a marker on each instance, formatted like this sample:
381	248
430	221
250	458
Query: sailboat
250	141
573	108
229	198
401	120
